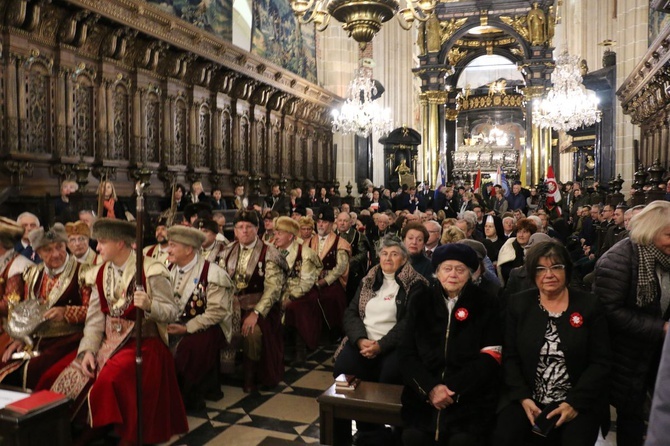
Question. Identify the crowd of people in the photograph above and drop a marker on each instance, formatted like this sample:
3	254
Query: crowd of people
501	313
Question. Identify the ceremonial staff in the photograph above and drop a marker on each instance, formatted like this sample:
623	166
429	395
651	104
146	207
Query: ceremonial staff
139	314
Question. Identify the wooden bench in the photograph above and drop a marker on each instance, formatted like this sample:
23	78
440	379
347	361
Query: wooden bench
370	402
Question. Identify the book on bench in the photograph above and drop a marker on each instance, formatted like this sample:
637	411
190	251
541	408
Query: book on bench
346	382
35	401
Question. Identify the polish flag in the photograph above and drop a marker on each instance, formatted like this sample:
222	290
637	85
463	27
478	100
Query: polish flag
553	194
478	180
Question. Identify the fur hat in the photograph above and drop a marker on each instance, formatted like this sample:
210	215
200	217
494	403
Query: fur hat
326	213
455	251
186	236
113	229
206	223
306	221
78	228
248	215
10	229
40	238
287	224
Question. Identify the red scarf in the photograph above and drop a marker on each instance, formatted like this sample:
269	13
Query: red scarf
109	205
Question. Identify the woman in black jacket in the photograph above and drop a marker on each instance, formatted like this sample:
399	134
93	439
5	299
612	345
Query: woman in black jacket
450	356
632	280
375	320
556	356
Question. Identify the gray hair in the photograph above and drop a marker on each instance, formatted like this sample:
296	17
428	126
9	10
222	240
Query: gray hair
391	241
28	214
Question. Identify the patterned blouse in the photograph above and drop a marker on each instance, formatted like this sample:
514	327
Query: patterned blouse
552	381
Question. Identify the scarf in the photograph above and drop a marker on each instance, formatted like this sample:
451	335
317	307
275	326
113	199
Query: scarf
109	205
647	282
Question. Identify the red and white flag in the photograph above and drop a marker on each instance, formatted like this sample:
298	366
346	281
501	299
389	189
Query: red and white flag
553	193
478	180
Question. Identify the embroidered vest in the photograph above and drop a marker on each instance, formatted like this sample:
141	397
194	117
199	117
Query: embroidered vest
297	265
257	280
129	309
330	260
197	302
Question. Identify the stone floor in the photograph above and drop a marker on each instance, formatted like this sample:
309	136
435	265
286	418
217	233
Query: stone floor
288	412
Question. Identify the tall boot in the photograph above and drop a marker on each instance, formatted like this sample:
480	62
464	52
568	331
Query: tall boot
250	370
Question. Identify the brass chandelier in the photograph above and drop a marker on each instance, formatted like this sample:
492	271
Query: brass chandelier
362	19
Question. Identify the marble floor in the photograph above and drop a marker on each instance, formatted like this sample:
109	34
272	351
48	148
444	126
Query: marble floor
288	412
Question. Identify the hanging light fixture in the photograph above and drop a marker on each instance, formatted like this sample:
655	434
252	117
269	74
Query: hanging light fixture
360	113
362	19
568	105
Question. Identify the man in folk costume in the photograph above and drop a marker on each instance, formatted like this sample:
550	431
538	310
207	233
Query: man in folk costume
334	252
302	316
212	247
55	284
360	252
159	251
258	272
205	296
78	237
106	358
12	266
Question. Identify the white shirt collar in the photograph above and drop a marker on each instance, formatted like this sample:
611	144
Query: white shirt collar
250	246
189	266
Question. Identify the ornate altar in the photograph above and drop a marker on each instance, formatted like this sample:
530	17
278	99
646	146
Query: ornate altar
401	154
468	160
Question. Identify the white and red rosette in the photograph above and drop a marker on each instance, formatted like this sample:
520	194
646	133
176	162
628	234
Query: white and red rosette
576	320
461	314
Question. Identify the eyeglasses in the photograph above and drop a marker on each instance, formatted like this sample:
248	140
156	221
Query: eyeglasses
555	269
458	269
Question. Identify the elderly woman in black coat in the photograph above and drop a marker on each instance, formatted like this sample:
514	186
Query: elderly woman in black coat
556	356
632	280
450	356
375	320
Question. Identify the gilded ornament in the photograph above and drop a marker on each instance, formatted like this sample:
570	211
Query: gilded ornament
537	21
449	27
455	55
518	24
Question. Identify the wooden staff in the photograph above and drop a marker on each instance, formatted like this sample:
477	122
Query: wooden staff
139	314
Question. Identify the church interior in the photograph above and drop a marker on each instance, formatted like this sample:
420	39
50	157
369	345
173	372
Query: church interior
242	93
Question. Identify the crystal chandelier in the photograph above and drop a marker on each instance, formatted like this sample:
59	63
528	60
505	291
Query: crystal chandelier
359	113
362	19
568	105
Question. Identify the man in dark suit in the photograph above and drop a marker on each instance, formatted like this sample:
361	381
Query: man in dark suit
29	222
277	201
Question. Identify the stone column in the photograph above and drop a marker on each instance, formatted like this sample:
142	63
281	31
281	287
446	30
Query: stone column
434	138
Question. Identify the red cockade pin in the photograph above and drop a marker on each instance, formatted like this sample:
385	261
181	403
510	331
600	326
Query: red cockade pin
461	314
576	320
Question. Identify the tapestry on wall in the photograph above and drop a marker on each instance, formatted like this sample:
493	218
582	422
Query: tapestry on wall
215	16
278	37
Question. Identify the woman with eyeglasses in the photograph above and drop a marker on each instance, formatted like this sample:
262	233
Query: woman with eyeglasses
556	358
450	356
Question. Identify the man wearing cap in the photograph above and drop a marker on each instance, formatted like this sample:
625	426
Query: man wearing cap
211	245
78	237
334	252
204	293
159	250
360	251
258	273
12	265
55	284
302	316
268	224
106	353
